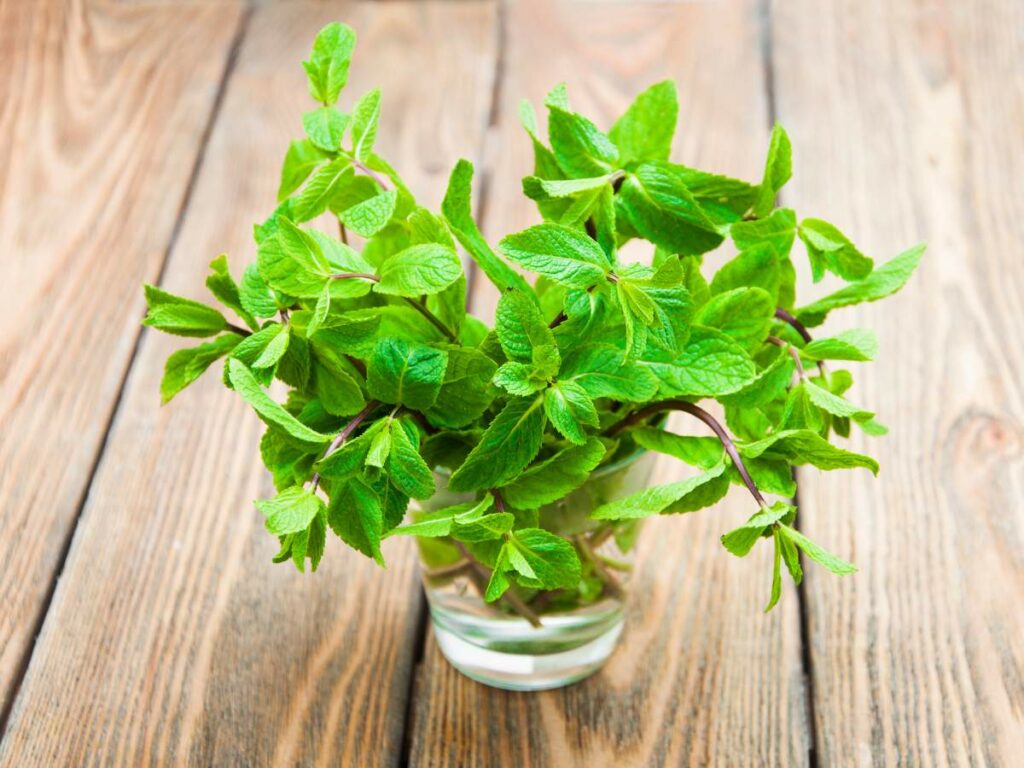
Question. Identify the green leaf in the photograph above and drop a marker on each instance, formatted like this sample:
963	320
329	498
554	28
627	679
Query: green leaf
291	262
804	446
834	404
349	458
457	212
817	554
365	116
776	572
741	540
299	161
520	326
274	349
570	409
223	286
856	344
601	371
560	253
325	127
272	414
405	374
290	511
542	556
658	498
743	314
407	469
420	269
554	478
466	391
830	249
778	168
703	452
710	365
355	514
580	149
659	206
441	521
186	365
370	216
882	282
770	384
777	230
510	442
323	185
646	129
543	189
519	379
790	556
255	295
181	316
327	66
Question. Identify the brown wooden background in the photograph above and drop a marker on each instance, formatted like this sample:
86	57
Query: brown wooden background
141	621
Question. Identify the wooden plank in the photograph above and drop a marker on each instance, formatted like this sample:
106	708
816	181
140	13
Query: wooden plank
701	676
172	637
906	122
103	112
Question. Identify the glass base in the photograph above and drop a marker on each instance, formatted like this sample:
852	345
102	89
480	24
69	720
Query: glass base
507	652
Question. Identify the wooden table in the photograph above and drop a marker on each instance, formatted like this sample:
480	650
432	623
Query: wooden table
142	621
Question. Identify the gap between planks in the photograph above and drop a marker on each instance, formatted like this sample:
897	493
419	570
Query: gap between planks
229	65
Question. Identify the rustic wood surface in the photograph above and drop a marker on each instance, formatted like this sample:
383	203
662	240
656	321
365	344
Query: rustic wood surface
142	621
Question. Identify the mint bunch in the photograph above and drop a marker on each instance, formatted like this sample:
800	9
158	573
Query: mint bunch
389	379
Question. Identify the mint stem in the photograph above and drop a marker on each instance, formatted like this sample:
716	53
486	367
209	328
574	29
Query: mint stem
709	420
354	276
239	330
801	329
344	435
480	574
421	307
369	172
793	352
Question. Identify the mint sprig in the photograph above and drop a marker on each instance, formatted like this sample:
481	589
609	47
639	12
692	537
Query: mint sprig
389	379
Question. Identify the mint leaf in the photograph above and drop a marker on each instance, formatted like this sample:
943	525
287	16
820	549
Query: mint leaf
560	253
457	212
646	129
556	477
420	269
406	468
370	216
505	448
325	127
544	558
855	344
580	149
659	498
743	314
520	379
520	326
300	160
601	371
327	182
542	189
466	391
290	511
291	262
710	365
703	452
255	295
882	282
349	458
778	168
327	66
365	116
817	554
830	249
275	348
834	404
570	409
776	572
186	365
181	316
405	374
804	446
441	521
224	287
741	540
355	514
659	206
272	414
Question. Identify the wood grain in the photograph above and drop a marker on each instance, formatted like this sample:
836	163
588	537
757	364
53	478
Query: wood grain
172	638
908	127
102	113
701	676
